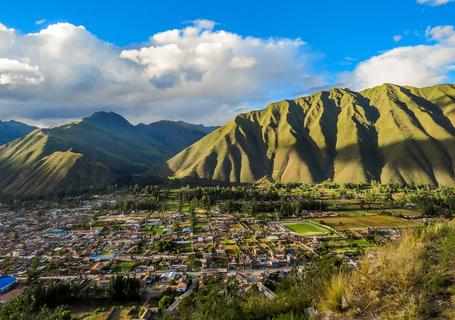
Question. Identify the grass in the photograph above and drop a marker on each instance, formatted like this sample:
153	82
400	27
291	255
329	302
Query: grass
334	293
365	222
306	228
124	266
411	279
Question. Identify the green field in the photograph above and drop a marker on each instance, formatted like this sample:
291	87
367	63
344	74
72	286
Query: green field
412	213
365	222
306	228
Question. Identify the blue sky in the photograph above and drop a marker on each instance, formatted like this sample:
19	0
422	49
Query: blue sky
336	29
330	43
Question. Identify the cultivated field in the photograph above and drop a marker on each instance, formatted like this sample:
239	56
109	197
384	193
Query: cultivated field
364	222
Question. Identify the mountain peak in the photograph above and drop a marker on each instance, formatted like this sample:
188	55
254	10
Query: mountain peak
106	118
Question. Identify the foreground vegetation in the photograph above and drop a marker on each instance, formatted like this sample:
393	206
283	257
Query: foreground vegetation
411	279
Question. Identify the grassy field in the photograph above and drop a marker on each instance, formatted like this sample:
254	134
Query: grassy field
306	228
364	222
411	213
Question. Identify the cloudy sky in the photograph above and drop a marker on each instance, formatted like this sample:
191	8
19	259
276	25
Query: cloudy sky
204	63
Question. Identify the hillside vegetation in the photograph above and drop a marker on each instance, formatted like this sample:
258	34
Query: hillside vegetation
414	279
389	133
91	153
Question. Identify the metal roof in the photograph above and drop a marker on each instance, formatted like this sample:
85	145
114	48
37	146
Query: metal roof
7	280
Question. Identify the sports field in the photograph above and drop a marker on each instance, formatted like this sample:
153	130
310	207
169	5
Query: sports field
364	222
306	228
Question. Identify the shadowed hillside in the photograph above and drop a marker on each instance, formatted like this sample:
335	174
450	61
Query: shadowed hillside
389	133
10	130
91	153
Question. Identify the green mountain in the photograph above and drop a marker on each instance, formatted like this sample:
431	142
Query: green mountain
11	130
175	135
389	133
91	153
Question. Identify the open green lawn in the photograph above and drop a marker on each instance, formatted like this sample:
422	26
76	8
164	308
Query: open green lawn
306	228
364	222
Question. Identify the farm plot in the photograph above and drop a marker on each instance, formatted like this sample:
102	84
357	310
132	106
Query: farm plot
365	222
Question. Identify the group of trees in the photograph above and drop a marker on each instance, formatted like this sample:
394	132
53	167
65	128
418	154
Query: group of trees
48	302
123	289
433	202
40	303
21	308
163	245
149	203
55	295
221	299
285	208
227	193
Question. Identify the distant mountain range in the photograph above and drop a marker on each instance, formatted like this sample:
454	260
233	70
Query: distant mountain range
389	133
91	153
11	130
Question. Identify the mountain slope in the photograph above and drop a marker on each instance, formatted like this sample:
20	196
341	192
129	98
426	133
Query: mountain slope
91	153
11	130
174	136
388	133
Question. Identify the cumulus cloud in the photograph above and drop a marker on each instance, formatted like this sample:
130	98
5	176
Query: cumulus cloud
192	73
434	3
420	65
443	34
14	72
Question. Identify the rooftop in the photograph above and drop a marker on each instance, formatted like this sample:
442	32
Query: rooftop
6	280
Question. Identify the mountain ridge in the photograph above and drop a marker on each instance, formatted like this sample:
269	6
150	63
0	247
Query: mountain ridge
87	154
389	133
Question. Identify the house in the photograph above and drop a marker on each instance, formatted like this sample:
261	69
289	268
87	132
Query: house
97	267
7	283
187	230
181	287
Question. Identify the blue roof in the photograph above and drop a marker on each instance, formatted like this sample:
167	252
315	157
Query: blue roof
5	281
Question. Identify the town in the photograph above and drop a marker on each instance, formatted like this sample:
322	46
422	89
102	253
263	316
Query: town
176	240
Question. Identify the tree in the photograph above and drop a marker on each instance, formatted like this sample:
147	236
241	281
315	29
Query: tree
165	302
124	288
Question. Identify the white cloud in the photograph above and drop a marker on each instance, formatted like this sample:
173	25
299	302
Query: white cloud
420	65
192	73
397	37
444	34
40	22
434	3
14	72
